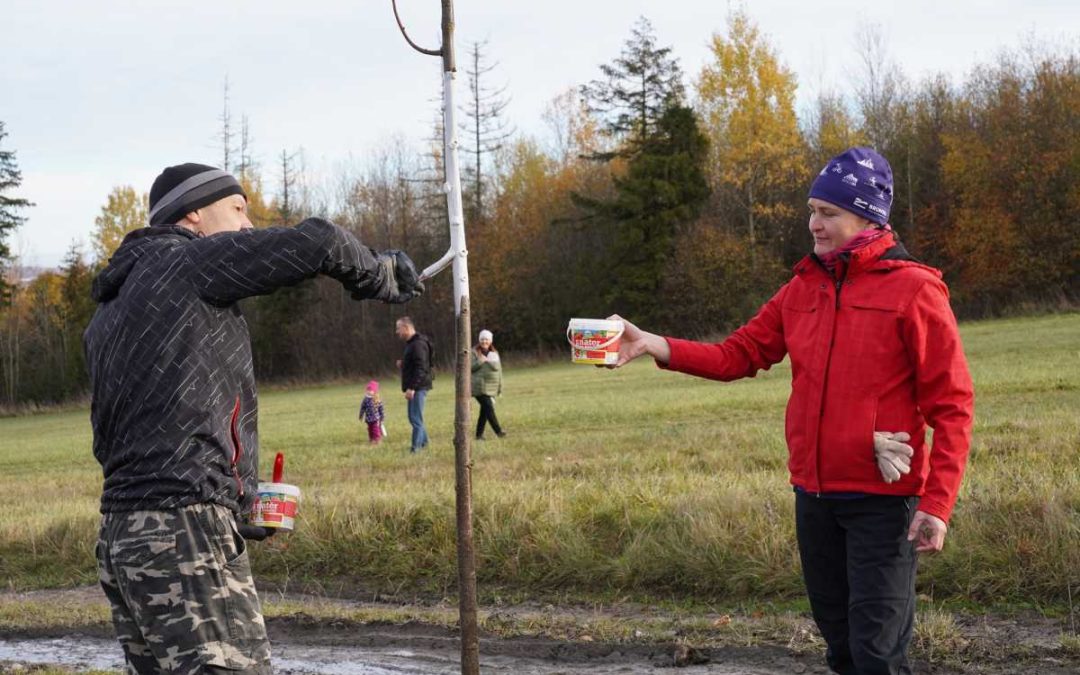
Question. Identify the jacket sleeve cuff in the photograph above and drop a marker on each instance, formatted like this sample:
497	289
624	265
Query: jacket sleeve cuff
935	508
678	354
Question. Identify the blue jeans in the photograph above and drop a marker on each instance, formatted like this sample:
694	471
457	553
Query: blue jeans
416	419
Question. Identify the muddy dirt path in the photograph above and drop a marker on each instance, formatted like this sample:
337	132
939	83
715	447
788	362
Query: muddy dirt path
82	653
309	641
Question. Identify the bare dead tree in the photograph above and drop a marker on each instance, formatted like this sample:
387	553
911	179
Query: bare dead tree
288	183
226	135
487	127
429	178
247	164
881	88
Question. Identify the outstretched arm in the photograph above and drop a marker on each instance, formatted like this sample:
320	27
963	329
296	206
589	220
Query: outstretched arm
756	346
235	265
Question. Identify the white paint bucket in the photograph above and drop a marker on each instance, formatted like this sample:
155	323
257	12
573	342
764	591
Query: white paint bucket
594	341
276	506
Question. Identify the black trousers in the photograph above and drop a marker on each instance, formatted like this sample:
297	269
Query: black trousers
859	570
487	414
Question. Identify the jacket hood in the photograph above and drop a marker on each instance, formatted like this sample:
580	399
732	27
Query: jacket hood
108	282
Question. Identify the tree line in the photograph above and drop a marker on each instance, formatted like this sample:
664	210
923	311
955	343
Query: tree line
676	201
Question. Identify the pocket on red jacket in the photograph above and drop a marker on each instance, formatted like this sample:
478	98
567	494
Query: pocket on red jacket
802	328
847	444
870	338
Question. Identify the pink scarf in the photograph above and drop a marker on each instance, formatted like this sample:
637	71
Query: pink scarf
832	259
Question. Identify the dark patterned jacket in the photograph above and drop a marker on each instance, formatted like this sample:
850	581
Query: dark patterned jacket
416	373
174	409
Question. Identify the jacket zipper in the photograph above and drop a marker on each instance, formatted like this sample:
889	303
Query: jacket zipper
840	285
828	362
238	449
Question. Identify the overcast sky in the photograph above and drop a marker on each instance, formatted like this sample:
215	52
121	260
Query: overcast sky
106	93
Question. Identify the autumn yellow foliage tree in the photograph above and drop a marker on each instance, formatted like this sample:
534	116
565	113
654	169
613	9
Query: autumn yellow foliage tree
259	212
523	272
747	100
125	210
830	130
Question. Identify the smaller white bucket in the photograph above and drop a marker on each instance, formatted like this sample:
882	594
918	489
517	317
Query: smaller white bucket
276	506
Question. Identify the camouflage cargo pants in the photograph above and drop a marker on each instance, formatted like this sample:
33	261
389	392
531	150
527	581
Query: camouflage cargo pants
182	596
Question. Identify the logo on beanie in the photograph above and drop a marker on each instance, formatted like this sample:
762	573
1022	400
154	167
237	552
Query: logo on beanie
867	206
836	169
867	162
850	179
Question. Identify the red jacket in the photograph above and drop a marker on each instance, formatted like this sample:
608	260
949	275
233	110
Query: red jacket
878	352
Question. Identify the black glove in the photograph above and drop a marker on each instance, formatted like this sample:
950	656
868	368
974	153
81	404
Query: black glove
255	532
402	280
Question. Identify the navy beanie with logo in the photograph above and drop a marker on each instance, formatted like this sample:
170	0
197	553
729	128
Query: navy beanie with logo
857	180
184	188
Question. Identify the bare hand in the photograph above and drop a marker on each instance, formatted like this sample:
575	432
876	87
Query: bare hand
928	532
409	394
398	364
636	342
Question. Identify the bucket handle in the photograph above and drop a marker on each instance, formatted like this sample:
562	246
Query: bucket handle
598	347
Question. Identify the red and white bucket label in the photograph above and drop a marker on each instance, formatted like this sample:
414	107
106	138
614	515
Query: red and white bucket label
594	341
276	506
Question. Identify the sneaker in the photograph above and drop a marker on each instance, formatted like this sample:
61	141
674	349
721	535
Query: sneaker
500	434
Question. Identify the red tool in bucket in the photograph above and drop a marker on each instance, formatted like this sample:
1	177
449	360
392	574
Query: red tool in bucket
277	503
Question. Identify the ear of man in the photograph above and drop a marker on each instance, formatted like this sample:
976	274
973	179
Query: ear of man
191	221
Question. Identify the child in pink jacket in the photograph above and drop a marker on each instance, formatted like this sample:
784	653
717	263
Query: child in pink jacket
371	412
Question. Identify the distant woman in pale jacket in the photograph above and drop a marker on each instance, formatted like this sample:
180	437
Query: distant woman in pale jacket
486	383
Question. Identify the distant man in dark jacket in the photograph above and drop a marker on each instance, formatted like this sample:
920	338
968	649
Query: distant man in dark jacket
416	377
174	413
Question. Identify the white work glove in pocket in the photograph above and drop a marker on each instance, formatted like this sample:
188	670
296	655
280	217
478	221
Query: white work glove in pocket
893	454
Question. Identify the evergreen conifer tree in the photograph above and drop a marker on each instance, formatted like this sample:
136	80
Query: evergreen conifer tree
636	90
10	178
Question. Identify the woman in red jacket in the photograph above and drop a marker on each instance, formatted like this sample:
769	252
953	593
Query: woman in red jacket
875	358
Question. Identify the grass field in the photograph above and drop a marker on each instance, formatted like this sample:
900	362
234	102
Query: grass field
633	483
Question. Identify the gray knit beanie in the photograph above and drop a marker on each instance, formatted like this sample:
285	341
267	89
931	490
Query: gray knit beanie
181	189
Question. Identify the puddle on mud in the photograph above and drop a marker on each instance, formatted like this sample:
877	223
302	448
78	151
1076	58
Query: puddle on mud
86	653
96	654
